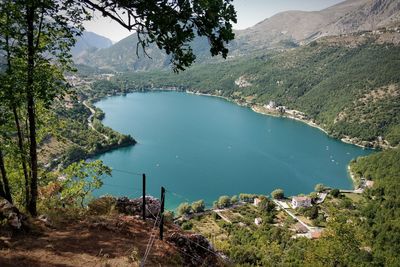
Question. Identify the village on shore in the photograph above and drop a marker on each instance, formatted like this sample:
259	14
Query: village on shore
304	215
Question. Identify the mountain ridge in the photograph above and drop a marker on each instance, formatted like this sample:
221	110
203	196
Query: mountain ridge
284	30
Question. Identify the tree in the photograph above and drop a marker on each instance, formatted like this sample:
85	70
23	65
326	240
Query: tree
234	199
81	178
266	205
278	194
313	195
224	201
44	32
335	192
198	206
172	25
319	188
184	209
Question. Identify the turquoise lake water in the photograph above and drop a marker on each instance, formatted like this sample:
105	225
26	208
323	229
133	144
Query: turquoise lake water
201	147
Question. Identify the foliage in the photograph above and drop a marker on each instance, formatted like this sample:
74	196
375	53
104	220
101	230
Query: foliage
335	192
319	188
81	178
278	194
224	201
187	225
172	25
234	199
184	209
381	210
102	205
266	205
198	206
334	85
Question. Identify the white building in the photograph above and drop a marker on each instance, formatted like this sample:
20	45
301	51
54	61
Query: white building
301	202
257	221
256	201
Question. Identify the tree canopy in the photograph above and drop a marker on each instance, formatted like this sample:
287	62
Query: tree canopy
37	36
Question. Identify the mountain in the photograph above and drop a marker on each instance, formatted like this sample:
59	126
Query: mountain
89	41
344	18
349	85
284	30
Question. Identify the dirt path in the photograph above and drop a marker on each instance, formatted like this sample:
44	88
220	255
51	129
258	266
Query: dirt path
100	242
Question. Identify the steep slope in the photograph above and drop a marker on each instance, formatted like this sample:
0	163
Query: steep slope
284	30
349	85
299	26
89	41
127	56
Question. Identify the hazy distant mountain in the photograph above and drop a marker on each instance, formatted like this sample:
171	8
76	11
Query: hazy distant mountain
299	26
89	42
286	29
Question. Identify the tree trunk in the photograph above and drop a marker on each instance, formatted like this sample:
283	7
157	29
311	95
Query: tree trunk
22	152
6	192
30	16
17	124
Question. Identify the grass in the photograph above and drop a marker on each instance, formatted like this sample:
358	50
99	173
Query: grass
354	197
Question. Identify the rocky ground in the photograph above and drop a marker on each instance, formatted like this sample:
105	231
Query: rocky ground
115	239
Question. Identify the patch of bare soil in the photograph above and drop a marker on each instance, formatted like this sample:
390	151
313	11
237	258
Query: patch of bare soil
95	241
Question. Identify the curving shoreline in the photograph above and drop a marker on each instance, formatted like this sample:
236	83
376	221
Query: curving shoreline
267	112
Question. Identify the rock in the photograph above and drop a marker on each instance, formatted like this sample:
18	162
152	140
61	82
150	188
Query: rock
134	206
13	216
45	220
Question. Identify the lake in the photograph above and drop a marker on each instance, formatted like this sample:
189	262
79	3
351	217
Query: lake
201	147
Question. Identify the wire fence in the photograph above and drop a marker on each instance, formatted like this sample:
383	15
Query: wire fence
157	219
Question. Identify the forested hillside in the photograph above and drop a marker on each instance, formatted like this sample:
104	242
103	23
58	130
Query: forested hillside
332	80
283	30
381	210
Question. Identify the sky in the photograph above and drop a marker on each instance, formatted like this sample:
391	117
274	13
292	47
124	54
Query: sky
249	12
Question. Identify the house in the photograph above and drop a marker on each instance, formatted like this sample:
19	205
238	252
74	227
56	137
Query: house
271	104
316	234
257	221
256	201
301	202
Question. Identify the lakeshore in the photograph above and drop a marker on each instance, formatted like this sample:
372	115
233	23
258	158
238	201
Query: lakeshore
190	142
291	114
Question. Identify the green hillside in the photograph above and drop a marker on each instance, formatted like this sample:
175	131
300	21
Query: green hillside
332	81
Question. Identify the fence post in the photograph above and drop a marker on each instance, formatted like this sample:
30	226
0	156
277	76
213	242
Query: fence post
162	213
144	196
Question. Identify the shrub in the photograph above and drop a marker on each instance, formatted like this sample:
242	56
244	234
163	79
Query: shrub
278	194
187	225
335	192
198	206
183	209
101	206
224	201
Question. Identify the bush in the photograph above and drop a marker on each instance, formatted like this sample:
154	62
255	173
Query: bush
183	209
198	206
278	194
319	188
215	216
224	201
234	199
335	193
187	225
101	206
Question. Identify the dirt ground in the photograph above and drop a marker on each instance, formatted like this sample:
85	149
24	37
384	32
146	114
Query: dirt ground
94	241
